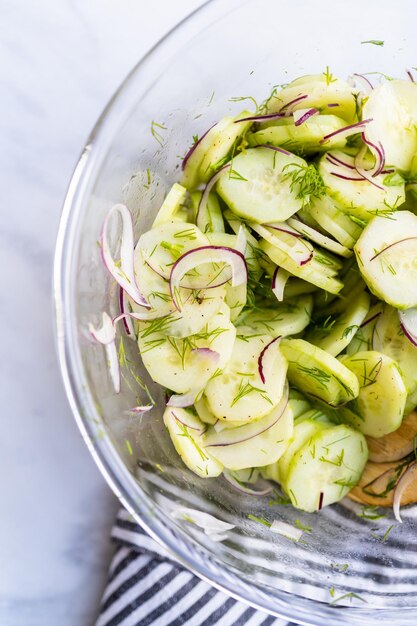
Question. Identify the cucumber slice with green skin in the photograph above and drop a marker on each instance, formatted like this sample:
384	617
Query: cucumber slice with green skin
213	147
204	412
252	445
286	318
176	363
363	339
317	373
389	338
379	407
387	257
185	430
252	251
411	402
287	240
304	431
211	218
305	137
393	109
325	211
172	203
312	272
358	197
317	237
298	403
353	287
337	333
238	393
258	189
318	91
325	468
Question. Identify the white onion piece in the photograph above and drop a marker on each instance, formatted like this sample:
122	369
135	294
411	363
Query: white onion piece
113	363
123	271
205	195
214	528
408	322
266	359
241	240
251	491
347	131
365	84
286	530
302	115
409	476
279	280
106	333
207	254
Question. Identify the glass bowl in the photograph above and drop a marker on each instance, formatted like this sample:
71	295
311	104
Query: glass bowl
347	568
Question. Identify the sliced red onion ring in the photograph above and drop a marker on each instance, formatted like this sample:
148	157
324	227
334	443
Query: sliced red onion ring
336	161
199	431
291	103
262	118
106	335
138	410
321	498
333	104
266	145
123	272
410	76
408	322
266	359
343	177
302	116
409	476
283	227
371	319
365	82
379	154
207	254
265	486
194	146
362	171
286	530
124	310
279	280
205	195
346	131
391	245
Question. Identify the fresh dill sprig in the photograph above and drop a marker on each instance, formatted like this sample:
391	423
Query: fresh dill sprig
245	389
305	181
260	520
384	537
303	527
319	375
156	132
374	42
371	512
329	76
350	595
339	567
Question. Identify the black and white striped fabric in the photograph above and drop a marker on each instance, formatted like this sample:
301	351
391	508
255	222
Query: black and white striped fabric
147	588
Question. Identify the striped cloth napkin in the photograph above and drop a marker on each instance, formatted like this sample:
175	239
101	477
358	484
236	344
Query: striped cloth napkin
147	588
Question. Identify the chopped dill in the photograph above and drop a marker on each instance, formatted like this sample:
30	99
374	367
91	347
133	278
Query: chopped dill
328	76
320	376
156	132
233	174
374	42
371	512
129	447
339	567
384	537
260	520
350	595
245	389
306	181
303	527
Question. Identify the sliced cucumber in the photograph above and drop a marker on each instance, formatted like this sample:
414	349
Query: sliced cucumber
287	240
298	403
379	408
252	445
387	258
392	106
306	137
170	205
411	402
185	430
317	237
358	197
334	335
319	374
286	318
327	214
389	338
353	287
212	148
176	363
257	188
238	393
363	338
325	468
210	219
313	272
319	91
304	431
204	412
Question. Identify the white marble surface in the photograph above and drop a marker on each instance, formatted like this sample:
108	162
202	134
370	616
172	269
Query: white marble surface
60	62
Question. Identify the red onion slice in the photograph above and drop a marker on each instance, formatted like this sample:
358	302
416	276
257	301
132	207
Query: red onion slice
194	146
266	145
265	489
124	310
410	76
296	256
361	169
346	131
302	116
391	245
364	82
207	254
290	105
138	410
379	154
336	161
106	335
279	280
266	359
262	118
344	177
408	322
286	530
123	271
409	476
182	420
205	195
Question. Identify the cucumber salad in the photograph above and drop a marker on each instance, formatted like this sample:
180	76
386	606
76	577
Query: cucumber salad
275	295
